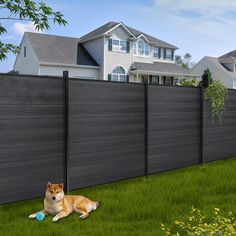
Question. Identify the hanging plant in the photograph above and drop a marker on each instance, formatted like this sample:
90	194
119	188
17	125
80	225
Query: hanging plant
215	96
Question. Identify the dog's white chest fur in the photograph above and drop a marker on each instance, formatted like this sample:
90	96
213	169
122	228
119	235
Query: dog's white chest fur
53	209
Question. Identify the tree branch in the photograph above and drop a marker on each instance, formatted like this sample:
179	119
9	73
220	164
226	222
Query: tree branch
7	18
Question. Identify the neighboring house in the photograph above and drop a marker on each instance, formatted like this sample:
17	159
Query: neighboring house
222	68
113	51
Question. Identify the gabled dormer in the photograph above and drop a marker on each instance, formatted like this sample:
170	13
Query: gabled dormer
228	60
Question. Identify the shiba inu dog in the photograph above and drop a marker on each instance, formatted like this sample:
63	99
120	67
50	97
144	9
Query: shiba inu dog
60	205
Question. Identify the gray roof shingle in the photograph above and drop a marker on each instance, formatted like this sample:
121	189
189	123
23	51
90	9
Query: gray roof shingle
99	31
152	39
228	57
104	28
59	49
162	68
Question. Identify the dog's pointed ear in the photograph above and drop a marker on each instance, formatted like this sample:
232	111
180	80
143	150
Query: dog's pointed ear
61	185
49	184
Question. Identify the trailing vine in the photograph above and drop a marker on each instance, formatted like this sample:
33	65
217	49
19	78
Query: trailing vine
215	96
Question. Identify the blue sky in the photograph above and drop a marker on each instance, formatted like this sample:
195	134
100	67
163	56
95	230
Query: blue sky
200	27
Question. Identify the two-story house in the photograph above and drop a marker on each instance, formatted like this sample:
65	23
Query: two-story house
222	68
113	52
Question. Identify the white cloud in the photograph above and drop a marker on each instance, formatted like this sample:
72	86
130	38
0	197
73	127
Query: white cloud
203	5
19	28
201	27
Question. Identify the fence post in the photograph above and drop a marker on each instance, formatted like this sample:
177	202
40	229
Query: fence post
66	124
202	121
146	126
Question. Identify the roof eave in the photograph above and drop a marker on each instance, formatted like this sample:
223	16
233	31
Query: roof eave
164	46
123	25
68	65
91	38
136	71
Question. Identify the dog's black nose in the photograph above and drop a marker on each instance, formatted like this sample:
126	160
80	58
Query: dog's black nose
53	198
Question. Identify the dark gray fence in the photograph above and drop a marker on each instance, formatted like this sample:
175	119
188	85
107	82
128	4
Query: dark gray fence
31	135
174	127
101	132
219	140
106	132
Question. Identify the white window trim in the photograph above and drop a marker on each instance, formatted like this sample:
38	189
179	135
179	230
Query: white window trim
234	84
119	50
156	48
137	49
169	59
119	74
119	77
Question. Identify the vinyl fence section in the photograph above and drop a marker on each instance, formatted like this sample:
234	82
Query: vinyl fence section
87	132
174	139
31	135
106	132
219	139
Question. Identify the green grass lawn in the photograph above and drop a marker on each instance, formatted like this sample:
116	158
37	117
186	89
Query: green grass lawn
137	206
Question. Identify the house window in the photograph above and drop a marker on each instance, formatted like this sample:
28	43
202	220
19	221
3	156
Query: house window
168	81
135	48
155	79
141	48
176	81
156	52
24	51
119	45
234	84
168	54
118	74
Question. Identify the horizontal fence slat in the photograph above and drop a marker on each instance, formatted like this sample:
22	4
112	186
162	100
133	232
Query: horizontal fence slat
219	137
31	135
106	132
174	127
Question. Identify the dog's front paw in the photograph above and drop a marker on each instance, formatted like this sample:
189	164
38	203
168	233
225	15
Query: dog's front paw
32	216
55	218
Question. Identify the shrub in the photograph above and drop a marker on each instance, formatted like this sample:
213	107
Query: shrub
187	83
215	96
196	224
206	78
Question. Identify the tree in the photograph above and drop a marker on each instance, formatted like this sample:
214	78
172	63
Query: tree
206	78
26	10
185	61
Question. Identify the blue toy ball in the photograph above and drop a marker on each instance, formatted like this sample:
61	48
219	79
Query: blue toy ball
40	216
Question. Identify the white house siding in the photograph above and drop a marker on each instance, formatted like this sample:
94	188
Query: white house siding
218	72
75	72
113	58
96	49
28	64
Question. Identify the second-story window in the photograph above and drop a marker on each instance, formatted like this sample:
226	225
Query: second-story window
168	54
156	52
141	48
119	45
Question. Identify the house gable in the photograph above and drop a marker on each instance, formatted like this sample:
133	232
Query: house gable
26	57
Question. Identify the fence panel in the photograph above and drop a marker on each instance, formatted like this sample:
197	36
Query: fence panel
106	127
31	135
174	139
219	139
